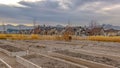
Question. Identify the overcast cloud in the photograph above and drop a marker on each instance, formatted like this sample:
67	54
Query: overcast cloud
79	12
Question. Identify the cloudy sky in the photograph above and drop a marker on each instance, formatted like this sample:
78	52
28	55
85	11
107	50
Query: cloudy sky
52	12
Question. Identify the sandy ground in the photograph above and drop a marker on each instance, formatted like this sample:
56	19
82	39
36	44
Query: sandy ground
40	46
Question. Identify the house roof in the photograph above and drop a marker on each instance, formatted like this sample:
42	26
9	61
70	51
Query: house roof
112	30
94	31
97	29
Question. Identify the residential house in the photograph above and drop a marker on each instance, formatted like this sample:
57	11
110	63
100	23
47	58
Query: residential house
112	32
13	31
96	31
36	30
80	31
119	33
52	31
69	30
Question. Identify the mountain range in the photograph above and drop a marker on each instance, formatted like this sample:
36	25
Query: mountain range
9	26
15	27
109	26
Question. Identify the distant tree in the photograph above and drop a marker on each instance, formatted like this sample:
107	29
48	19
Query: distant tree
94	24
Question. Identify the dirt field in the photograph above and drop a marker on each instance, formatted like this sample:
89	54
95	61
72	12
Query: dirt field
11	61
10	48
103	60
46	62
107	53
2	65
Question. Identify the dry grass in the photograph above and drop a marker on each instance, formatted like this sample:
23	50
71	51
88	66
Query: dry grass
58	37
105	38
30	37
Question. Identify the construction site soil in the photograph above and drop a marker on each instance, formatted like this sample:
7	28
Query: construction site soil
46	62
103	60
2	65
10	48
107	53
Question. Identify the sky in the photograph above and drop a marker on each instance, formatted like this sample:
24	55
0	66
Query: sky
53	12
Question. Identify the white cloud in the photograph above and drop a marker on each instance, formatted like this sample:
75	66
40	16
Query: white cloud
99	7
32	0
111	7
15	2
9	2
90	6
64	4
108	9
58	11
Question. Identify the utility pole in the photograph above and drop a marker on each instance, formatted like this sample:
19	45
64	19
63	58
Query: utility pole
34	25
4	29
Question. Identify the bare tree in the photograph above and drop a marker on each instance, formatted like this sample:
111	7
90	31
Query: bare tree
94	24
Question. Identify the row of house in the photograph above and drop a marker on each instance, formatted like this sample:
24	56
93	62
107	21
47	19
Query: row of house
78	31
101	31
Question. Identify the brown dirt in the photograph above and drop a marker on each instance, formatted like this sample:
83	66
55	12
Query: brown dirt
103	60
45	62
10	48
2	65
